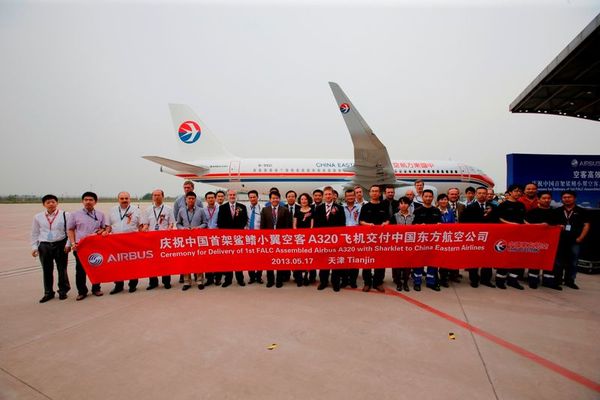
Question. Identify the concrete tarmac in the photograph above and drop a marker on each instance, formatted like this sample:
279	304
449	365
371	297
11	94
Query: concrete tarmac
217	343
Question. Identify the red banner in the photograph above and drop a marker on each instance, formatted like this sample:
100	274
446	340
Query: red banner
137	255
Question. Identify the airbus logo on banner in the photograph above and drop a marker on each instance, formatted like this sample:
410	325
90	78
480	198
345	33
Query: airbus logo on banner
95	259
189	132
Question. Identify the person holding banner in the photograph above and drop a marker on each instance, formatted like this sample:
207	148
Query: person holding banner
402	217
480	212
123	219
326	214
158	217
80	224
253	224
428	214
511	211
232	215
448	217
371	214
180	202
543	214
352	212
49	241
211	212
275	216
303	219
191	217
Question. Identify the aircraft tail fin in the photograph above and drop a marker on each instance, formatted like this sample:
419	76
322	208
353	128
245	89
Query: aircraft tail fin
195	140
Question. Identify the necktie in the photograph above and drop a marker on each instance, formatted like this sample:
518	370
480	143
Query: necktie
453	206
232	210
274	218
252	216
328	207
482	206
291	210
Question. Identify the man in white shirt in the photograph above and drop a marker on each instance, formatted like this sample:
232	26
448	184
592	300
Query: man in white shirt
211	212
124	218
158	217
49	241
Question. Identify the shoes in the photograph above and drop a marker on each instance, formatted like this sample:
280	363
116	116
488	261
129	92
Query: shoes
225	284
62	296
46	298
251	281
489	284
218	282
200	286
474	284
572	285
260	281
444	284
116	290
98	293
516	285
305	282
501	285
456	279
336	288
417	288
322	286
132	289
398	288
299	283
81	297
242	283
435	287
353	285
186	287
270	284
208	283
151	287
167	286
405	287
380	288
533	285
279	285
555	287
366	288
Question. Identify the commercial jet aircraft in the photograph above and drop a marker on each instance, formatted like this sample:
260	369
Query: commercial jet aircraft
209	162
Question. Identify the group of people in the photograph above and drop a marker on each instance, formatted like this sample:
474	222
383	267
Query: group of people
55	233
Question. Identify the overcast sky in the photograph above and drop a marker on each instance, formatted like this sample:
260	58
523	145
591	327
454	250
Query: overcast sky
86	85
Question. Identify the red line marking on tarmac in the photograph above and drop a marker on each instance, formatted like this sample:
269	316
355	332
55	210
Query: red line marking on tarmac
567	373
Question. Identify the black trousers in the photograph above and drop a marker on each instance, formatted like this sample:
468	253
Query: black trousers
375	278
400	275
278	277
255	275
50	253
239	276
80	278
349	276
166	280
132	284
336	277
486	275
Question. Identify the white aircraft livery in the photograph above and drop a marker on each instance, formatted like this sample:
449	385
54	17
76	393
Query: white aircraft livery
211	163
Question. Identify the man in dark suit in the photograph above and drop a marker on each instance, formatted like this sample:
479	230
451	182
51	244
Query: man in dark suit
232	215
275	216
390	205
327	214
480	211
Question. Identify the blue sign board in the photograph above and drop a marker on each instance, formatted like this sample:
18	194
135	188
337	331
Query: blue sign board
556	173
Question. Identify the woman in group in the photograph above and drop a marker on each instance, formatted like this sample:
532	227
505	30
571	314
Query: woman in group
304	219
448	217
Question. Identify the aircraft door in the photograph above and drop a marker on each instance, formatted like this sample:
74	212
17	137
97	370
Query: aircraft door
234	171
465	173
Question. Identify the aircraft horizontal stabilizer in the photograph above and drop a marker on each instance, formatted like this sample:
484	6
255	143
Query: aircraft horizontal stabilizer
178	166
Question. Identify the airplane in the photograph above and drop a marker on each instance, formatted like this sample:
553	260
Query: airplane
211	163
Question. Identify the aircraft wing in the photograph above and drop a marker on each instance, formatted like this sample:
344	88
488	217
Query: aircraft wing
178	166
372	165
